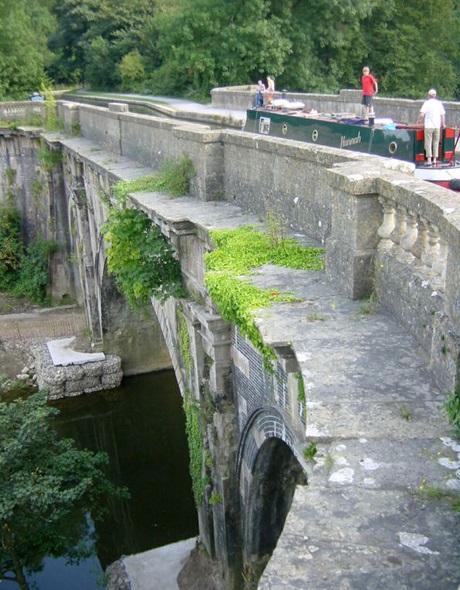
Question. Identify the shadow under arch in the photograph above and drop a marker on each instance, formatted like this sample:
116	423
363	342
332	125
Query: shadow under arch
135	336
276	474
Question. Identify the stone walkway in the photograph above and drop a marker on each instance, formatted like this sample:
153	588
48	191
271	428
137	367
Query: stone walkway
377	513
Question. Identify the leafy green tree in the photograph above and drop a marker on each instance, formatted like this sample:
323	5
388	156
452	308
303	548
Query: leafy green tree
24	30
47	489
132	70
218	42
101	70
93	36
413	47
327	43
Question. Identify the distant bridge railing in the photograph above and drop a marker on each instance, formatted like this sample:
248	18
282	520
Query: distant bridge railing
21	110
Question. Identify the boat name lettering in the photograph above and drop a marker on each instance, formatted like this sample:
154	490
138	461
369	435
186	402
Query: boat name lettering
347	141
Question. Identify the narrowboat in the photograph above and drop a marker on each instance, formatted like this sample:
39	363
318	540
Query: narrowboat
377	136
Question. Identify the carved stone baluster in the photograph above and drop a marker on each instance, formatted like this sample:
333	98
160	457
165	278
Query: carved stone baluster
439	267
388	224
420	244
409	239
430	253
399	230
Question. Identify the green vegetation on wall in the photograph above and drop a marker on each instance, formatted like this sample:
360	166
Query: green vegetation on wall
238	252
23	269
184	342
453	409
11	247
49	158
195	446
138	254
140	257
33	277
173	178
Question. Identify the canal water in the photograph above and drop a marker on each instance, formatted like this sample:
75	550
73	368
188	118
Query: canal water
141	426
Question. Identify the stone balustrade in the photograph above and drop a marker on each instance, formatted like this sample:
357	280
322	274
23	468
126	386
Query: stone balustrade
414	241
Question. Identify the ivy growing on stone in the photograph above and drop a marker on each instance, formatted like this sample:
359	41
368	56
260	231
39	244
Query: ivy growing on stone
238	252
138	254
184	342
195	446
452	406
141	258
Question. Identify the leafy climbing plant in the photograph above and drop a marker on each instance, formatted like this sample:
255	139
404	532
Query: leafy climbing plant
139	256
195	446
452	406
237	253
34	275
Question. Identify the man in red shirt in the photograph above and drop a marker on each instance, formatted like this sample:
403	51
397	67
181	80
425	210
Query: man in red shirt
370	87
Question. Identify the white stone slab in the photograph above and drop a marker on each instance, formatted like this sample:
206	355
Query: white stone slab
62	353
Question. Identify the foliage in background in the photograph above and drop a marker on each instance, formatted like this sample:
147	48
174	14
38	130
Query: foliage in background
23	269
187	48
25	26
47	489
138	254
132	71
209	43
238	252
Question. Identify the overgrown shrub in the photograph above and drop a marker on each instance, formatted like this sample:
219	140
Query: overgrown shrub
33	277
11	248
140	257
23	270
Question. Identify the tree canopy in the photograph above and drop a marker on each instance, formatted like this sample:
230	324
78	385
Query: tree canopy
47	489
187	47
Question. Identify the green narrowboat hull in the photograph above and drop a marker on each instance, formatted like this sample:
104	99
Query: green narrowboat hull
389	140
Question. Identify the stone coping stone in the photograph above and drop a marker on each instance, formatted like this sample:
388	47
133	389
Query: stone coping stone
62	354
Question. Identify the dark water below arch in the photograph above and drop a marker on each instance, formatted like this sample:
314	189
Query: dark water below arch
141	426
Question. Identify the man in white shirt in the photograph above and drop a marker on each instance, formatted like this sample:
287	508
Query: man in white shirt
433	115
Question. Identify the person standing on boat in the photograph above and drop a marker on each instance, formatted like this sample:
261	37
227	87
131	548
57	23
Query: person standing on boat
260	89
433	115
270	89
370	88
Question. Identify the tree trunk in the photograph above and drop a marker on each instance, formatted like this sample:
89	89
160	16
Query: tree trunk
17	565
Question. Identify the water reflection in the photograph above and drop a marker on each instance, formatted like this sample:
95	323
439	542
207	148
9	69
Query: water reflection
141	426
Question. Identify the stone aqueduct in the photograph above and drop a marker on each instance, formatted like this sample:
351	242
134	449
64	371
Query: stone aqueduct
384	234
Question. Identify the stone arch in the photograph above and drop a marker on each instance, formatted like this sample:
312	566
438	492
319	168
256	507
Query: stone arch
270	471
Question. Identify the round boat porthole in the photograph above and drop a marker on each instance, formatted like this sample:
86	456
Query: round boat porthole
284	129
314	135
393	147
